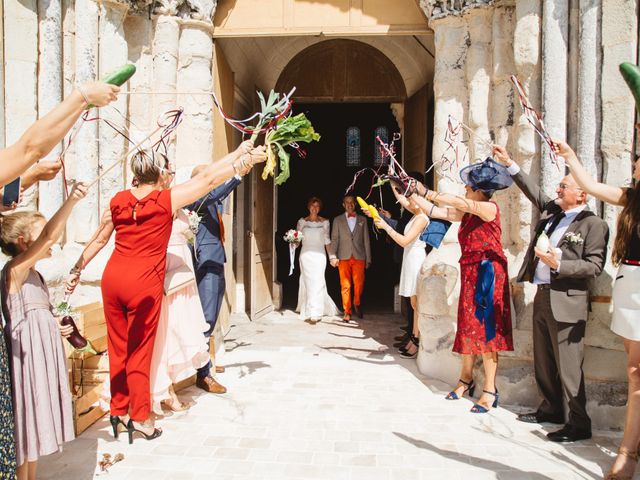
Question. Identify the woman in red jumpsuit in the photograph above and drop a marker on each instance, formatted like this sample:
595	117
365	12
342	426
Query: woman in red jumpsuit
133	280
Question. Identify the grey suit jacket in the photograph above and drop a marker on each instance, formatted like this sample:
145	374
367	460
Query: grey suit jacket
581	261
345	244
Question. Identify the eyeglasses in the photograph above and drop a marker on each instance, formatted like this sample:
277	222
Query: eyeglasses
564	186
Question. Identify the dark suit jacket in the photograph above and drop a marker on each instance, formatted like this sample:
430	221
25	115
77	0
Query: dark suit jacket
580	263
209	248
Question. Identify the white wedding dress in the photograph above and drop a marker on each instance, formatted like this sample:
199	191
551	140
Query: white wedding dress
313	299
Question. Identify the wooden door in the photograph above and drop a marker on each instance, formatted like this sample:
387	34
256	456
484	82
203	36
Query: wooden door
418	132
260	240
223	84
261	246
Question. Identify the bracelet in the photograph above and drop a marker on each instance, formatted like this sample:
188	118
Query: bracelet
84	95
431	211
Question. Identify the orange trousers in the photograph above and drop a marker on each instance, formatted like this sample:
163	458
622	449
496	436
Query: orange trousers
351	274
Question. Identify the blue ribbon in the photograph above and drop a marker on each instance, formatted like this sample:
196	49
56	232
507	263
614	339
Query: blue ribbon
484	299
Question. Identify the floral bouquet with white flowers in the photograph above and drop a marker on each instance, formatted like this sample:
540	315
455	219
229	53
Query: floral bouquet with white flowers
293	236
194	222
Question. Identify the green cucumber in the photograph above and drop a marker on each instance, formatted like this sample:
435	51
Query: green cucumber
631	75
119	76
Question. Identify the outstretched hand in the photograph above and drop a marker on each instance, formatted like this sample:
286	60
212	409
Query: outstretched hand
258	155
501	155
100	93
245	147
562	149
78	192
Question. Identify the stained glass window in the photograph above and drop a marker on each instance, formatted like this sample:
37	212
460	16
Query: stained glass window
383	133
353	147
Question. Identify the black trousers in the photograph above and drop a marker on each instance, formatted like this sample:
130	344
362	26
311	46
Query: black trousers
558	352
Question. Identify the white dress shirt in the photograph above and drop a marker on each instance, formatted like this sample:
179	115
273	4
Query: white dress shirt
542	274
351	221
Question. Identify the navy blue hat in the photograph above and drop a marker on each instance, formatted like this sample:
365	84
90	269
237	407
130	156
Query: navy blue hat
487	176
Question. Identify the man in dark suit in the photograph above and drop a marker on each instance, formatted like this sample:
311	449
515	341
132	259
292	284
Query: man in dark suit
208	259
577	250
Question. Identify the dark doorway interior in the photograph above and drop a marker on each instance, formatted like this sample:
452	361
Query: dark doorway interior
324	173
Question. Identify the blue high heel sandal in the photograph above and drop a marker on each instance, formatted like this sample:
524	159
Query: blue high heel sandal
477	408
468	387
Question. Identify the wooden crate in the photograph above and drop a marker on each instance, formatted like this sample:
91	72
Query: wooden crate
86	409
87	372
92	325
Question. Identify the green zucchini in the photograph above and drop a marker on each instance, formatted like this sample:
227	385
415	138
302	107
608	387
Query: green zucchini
119	76
631	75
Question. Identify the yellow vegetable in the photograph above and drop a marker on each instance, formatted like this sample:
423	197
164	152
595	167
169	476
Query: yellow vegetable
365	206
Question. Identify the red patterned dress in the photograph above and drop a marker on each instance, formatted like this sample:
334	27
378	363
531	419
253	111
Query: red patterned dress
480	240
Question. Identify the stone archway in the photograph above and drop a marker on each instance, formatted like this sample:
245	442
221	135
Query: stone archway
358	73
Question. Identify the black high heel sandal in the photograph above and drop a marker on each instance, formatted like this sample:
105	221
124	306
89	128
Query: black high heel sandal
416	343
468	387
115	422
477	408
152	436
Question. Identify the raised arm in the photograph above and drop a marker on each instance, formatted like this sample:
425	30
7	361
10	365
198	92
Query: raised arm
487	211
96	243
417	227
50	234
41	171
47	132
530	188
433	211
218	194
602	191
216	173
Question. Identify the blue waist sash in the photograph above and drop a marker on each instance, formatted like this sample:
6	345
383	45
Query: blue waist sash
484	298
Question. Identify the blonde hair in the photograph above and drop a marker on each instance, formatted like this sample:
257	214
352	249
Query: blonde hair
15	225
147	166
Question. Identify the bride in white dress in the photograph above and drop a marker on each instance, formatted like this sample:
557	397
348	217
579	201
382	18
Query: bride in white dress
313	300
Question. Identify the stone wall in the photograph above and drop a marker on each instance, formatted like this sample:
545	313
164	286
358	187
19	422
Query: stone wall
51	45
566	54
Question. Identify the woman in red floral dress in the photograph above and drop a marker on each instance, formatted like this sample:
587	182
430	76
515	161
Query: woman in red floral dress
484	308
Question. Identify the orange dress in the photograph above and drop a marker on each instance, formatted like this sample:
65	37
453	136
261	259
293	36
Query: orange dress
132	290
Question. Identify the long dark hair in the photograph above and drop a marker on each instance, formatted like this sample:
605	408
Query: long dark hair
628	220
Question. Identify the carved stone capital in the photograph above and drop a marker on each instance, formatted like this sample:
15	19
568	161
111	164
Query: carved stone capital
202	10
437	9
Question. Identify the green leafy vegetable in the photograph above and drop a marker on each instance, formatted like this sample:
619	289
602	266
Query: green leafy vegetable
289	130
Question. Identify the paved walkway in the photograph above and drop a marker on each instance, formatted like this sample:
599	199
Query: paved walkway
330	401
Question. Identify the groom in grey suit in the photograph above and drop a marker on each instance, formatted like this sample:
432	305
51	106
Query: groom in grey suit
351	253
578	245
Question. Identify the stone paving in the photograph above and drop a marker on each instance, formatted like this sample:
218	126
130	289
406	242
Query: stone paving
330	401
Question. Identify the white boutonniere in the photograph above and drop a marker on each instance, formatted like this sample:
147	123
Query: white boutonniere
574	238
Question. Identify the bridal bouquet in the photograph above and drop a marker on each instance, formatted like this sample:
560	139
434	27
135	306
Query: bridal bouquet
293	238
191	232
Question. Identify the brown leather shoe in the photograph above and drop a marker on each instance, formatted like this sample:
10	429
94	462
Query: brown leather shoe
346	318
220	369
209	384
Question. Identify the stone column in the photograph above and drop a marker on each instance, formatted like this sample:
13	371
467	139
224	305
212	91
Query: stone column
50	91
555	42
86	142
113	53
449	90
588	105
195	136
478	68
165	69
20	69
526	146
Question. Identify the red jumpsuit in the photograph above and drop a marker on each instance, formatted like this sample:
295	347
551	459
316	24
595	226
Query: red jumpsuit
132	289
